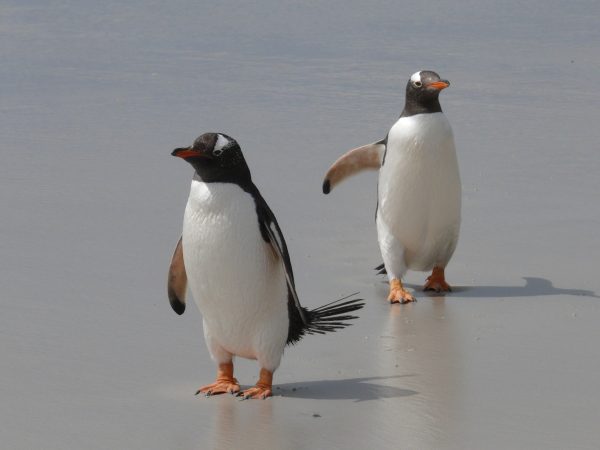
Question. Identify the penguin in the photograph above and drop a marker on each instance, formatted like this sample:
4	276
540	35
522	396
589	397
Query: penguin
234	258
419	189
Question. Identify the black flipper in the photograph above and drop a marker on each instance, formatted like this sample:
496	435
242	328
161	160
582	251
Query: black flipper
271	233
327	318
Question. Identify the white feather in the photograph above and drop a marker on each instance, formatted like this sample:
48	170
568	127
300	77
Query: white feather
415	77
236	280
418	216
222	141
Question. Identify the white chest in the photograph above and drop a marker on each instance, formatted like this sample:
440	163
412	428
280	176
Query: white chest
420	159
419	183
420	139
232	271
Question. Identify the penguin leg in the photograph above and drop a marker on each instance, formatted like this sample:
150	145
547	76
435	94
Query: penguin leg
436	281
224	382
392	252
263	387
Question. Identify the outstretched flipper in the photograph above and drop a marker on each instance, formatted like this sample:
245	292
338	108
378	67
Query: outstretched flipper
356	160
177	281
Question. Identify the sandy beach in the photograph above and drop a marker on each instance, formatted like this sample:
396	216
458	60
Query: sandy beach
95	97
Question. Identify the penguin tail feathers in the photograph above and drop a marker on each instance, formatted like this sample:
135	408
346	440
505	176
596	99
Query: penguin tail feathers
327	318
381	269
333	316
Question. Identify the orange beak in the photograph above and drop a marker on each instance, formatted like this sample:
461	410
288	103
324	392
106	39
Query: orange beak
187	152
439	85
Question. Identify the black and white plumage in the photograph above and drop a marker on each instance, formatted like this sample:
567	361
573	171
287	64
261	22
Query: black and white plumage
419	189
234	257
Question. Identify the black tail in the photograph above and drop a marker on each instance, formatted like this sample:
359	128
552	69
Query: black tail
381	269
325	319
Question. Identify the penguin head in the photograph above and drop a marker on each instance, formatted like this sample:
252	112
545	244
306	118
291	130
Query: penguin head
216	157
422	92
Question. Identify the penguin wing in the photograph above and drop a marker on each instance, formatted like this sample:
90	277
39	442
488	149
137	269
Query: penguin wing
271	233
356	160
177	280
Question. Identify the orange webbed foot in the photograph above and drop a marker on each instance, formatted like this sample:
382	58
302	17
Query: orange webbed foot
398	294
436	281
224	382
262	389
260	392
220	386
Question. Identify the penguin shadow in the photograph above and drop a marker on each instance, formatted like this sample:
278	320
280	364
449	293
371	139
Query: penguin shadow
357	389
534	287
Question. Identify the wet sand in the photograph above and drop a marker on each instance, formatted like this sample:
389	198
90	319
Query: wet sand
94	98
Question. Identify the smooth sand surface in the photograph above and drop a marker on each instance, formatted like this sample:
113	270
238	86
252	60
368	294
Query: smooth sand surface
96	95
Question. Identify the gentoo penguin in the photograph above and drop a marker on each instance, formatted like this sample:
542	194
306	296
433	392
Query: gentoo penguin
235	259
419	190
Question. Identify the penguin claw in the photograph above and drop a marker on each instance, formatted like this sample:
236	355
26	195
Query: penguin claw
398	294
402	297
437	287
221	386
256	392
436	281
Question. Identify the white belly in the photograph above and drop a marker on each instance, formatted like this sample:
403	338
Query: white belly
235	278
420	190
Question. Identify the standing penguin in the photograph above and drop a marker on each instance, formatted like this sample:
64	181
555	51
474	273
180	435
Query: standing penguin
234	256
419	190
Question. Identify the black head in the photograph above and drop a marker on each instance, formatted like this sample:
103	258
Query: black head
216	158
422	92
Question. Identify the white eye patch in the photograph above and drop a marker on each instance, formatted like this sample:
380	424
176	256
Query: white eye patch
416	77
222	141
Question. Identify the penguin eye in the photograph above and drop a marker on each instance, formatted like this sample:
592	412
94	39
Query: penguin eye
217	152
417	84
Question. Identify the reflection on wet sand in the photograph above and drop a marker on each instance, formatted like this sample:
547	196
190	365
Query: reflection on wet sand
534	287
420	339
234	428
